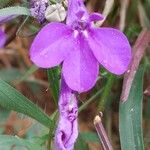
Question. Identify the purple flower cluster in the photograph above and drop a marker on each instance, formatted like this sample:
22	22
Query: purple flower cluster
38	8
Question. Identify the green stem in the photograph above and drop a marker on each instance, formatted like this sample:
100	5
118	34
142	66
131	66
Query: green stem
107	90
53	78
50	134
54	117
49	145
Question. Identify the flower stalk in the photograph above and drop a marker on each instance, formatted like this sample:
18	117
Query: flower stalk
102	133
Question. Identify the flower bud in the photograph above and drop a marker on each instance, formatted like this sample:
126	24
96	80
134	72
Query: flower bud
55	12
37	9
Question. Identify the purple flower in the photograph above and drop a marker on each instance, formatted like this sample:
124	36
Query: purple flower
38	8
80	47
67	130
2	38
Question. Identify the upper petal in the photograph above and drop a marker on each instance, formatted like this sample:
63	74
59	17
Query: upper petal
80	68
96	17
111	48
76	10
51	45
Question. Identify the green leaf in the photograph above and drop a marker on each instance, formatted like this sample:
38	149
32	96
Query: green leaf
14	100
130	116
81	144
14	140
89	136
16	10
53	78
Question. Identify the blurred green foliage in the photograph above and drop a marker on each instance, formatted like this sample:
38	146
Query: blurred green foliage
105	95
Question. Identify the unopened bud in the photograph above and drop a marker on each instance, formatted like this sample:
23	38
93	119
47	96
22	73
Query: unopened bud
55	12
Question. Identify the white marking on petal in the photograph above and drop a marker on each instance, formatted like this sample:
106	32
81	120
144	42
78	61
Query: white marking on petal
85	33
75	33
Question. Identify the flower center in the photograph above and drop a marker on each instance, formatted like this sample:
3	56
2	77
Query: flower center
80	25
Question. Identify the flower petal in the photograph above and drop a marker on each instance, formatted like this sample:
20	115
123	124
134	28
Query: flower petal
67	130
111	48
51	45
80	68
2	38
76	10
96	17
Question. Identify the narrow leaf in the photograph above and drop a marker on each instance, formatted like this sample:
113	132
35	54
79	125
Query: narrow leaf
15	10
14	100
130	116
